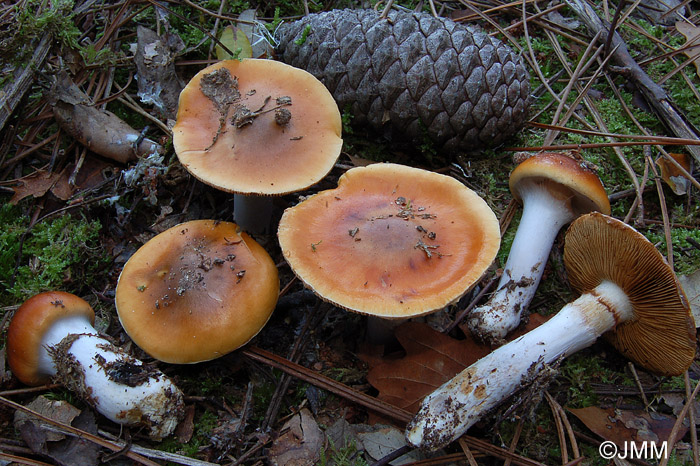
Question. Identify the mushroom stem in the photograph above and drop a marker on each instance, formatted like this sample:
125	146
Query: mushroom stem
450	410
544	213
117	385
252	213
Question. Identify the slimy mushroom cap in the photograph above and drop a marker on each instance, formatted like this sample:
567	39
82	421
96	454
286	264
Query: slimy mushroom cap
264	154
196	291
390	240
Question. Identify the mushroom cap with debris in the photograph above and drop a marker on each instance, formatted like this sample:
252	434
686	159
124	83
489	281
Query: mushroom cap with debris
391	241
196	291
257	126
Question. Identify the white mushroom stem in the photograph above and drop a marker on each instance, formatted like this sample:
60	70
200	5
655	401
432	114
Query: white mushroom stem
450	410
117	385
253	213
545	211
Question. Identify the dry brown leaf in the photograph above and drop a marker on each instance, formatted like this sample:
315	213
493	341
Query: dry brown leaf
300	443
672	175
625	426
432	358
37	184
692	37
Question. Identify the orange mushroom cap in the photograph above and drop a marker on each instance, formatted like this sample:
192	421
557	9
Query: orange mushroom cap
569	177
29	325
197	291
390	240
262	157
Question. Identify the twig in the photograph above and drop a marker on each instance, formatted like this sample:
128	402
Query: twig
677	425
21	460
80	433
157	454
468	453
655	95
664	208
691	418
393	455
516	438
473	303
560	428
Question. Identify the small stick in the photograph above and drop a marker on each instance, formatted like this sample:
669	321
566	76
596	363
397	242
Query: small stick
514	441
679	422
468	453
639	385
691	418
560	428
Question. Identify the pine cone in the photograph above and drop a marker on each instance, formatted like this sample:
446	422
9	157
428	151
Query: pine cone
413	74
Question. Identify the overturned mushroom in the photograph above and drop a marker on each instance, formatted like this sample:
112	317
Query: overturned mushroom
257	128
554	189
196	291
629	294
390	241
51	337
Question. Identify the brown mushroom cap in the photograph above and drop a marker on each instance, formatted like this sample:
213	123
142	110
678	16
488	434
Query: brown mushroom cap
572	177
390	240
661	337
196	292
263	157
28	326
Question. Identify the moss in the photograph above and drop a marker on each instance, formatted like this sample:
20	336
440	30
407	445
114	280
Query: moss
49	255
686	257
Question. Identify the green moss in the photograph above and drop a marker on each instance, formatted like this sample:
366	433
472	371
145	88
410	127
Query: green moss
53	253
347	455
686	257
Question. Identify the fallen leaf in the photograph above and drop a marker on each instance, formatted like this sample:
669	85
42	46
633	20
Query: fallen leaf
692	45
691	286
432	358
300	443
43	439
677	402
60	411
625	426
672	175
37	184
234	39
385	440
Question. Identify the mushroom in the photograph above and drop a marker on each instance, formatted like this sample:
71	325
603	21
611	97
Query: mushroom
51	336
390	241
257	128
196	291
629	294
554	189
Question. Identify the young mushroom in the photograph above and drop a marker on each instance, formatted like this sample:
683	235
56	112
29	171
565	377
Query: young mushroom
196	291
390	241
554	189
51	336
629	294
257	128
